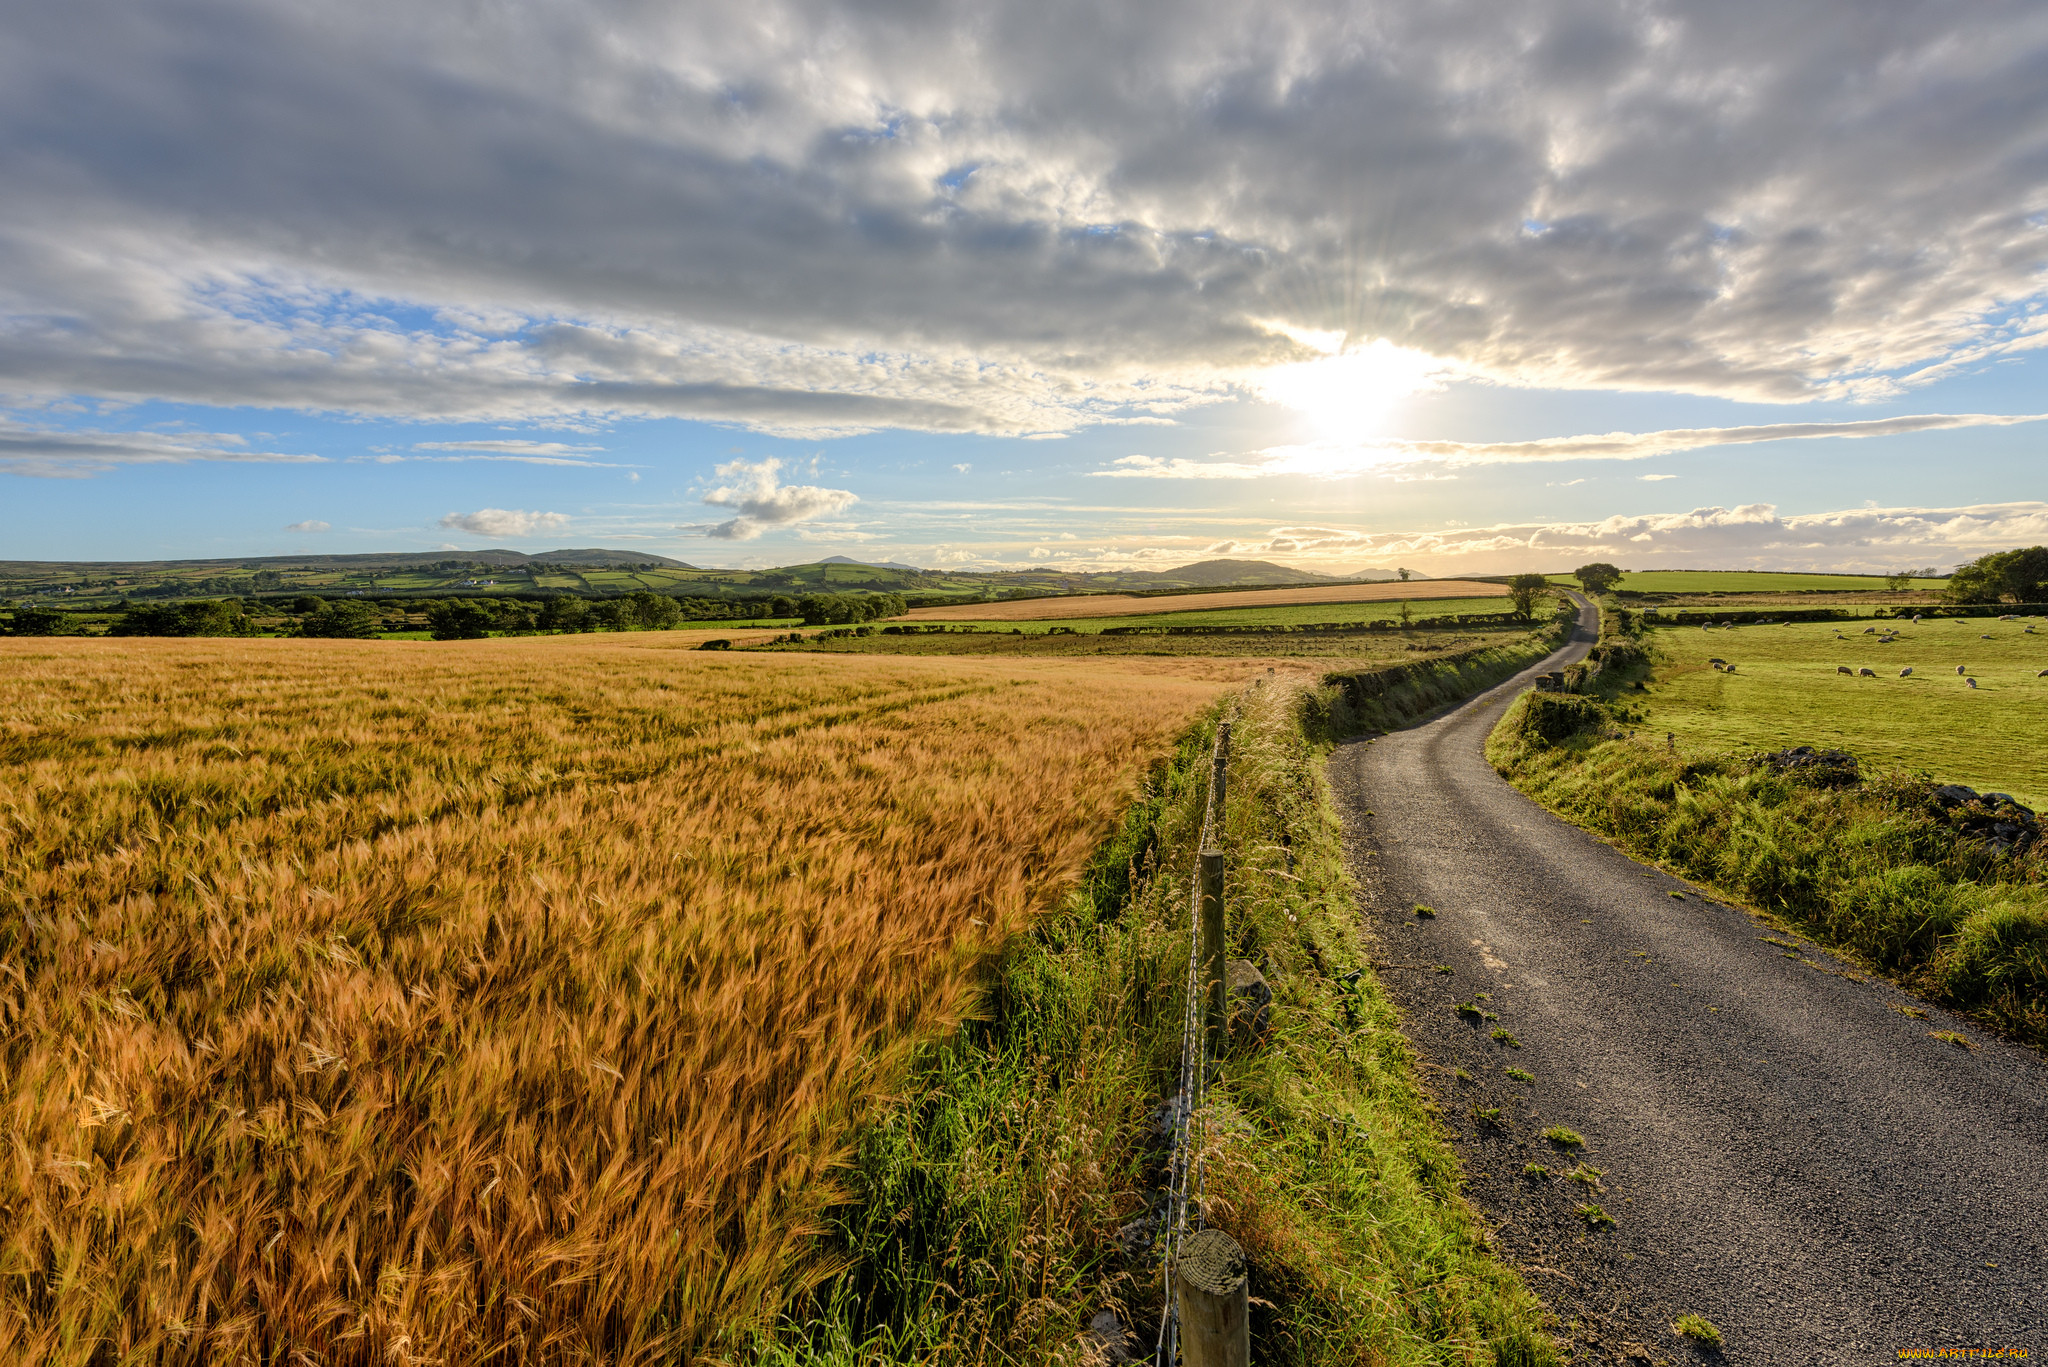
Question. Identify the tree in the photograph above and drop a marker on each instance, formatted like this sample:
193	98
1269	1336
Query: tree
1597	577
34	621
342	620
1899	581
460	619
1405	574
184	619
2019	575
654	611
1525	588
564	613
782	606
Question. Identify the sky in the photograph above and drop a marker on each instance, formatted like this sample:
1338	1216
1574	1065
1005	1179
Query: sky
1467	286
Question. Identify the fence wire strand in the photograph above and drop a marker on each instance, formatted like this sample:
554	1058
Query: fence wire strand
1186	1171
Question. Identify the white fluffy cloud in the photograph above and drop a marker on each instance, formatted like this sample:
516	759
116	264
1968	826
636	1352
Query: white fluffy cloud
310	525
763	501
503	522
1336	461
1750	536
999	216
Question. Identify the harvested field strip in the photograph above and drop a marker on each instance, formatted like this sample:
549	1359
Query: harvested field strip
1298	615
1127	605
395	1004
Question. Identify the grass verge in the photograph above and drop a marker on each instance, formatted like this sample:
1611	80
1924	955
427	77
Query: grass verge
1872	865
1001	1202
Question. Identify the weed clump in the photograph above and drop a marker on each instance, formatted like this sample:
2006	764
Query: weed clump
1564	1138
1699	1329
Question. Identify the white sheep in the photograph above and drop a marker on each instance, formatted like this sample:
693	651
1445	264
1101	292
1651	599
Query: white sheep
1959	669
1916	619
1983	638
1866	673
1870	631
1971	682
1906	673
2042	675
1731	669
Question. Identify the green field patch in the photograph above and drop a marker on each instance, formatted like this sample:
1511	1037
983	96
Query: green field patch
1747	581
1296	614
1786	691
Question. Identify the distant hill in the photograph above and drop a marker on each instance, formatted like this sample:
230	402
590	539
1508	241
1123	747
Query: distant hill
872	564
1216	573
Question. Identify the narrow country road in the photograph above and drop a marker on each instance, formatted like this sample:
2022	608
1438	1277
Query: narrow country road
1784	1149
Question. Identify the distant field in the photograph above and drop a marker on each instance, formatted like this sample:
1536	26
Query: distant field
1299	614
1785	691
1747	581
1125	605
491	1001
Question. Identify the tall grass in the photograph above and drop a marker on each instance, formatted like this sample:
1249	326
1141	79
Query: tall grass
493	1002
988	1199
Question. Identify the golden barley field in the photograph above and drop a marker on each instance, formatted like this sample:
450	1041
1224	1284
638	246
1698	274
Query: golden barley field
504	1001
1128	605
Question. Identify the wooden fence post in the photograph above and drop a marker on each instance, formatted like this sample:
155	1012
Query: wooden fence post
1214	1299
1215	981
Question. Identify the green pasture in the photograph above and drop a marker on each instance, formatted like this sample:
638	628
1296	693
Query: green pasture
1747	581
1785	691
1293	614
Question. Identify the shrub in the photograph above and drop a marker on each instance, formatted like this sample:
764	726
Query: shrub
343	620
43	622
460	619
1551	717
184	619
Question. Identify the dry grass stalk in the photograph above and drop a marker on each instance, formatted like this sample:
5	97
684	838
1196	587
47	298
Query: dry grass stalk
502	1001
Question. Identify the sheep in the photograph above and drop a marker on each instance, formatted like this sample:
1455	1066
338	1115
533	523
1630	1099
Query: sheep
1870	631
1906	673
1866	673
1916	619
1844	669
1731	669
1960	669
2042	675
1971	682
1983	638
1716	660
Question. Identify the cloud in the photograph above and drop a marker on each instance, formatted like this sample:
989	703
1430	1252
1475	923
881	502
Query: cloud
510	448
988	216
1748	536
1653	479
503	522
31	450
764	501
311	525
1341	460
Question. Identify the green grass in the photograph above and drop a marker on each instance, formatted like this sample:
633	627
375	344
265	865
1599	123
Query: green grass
985	1203
1699	1329
1294	614
1785	692
1747	581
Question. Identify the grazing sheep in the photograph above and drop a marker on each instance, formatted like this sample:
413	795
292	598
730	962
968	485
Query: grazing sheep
1866	673
1959	669
1844	669
1983	638
2042	675
1907	672
1971	682
1731	669
1916	618
1870	631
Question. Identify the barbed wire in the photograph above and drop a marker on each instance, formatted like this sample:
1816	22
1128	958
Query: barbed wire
1186	1172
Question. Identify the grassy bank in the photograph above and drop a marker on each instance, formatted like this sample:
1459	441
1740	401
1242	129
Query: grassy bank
1873	866
985	1206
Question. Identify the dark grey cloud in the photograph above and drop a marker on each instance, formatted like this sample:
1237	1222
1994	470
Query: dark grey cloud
1000	217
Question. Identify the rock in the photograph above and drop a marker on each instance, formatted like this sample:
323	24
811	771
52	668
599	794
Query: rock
1251	1001
1822	768
1953	794
1135	1238
1106	1339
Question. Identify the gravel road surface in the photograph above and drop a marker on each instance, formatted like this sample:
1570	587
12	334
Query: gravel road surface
1784	1147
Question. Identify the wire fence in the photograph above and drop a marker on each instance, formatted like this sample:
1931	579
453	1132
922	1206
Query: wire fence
1185	1173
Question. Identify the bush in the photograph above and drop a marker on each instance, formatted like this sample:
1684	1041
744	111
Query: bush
43	622
1554	717
184	619
343	620
462	619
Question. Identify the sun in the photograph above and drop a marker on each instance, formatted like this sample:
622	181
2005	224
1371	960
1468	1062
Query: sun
1349	394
